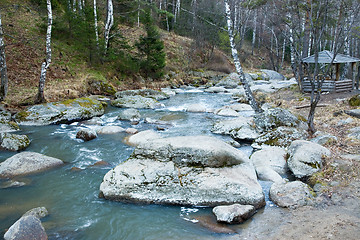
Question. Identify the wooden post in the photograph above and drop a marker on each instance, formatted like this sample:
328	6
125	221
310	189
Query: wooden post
337	70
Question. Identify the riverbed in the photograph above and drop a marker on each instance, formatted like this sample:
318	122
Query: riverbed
70	193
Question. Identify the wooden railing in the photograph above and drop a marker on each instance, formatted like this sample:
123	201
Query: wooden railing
329	85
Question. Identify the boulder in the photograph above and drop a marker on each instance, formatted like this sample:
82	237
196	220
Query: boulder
168	91
291	194
131	131
235	213
230	81
272	75
305	158
227	112
353	112
4	114
269	163
136	101
216	90
60	112
323	138
147	93
194	170
354	133
12	184
27	163
39	212
142	137
239	128
100	87
281	136
13	142
8	126
275	117
110	130
130	114
86	134
196	108
241	107
28	227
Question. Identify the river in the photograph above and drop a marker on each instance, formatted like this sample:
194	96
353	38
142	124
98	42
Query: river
76	211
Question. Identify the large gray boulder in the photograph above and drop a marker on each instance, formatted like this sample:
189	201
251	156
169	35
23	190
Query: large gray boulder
13	142
27	227
275	117
130	114
227	112
142	137
60	112
281	136
235	213
110	130
136	101
305	158
8	126
230	81
27	163
272	75
196	170
148	93
239	128
39	212
291	194
196	108
270	163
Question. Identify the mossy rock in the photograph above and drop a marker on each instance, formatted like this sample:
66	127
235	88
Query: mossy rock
100	87
354	101
60	112
14	142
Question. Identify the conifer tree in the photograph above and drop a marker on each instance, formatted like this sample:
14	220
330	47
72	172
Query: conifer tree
151	48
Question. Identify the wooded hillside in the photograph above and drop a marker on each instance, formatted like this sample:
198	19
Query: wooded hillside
115	42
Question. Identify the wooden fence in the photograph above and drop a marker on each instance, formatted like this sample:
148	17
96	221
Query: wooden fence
329	85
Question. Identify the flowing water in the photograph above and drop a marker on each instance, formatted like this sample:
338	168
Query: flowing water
71	196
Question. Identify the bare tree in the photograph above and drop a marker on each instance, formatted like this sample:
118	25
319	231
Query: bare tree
45	65
96	25
3	68
237	63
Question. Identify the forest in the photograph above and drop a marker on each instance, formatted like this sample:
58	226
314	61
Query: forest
279	33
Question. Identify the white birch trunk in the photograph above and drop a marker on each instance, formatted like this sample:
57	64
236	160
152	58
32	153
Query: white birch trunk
109	23
74	5
283	53
3	67
194	7
177	10
235	56
138	14
45	65
96	25
254	33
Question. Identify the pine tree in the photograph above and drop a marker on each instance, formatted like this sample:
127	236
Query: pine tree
151	48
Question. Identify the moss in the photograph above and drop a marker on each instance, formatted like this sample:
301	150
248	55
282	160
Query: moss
354	101
22	116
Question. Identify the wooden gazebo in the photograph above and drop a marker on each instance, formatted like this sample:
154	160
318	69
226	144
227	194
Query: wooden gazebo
331	84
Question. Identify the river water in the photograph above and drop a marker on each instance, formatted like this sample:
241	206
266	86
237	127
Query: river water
71	196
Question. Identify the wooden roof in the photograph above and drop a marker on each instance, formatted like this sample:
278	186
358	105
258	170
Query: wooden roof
327	57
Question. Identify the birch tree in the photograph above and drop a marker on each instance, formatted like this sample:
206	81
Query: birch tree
234	52
109	23
45	65
96	25
3	68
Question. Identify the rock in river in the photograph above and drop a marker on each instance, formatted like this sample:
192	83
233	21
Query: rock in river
27	227
235	213
135	102
27	163
60	112
186	170
86	134
13	142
